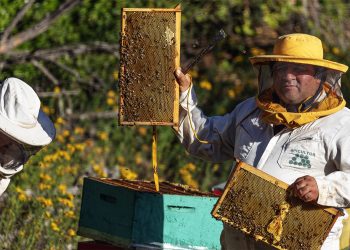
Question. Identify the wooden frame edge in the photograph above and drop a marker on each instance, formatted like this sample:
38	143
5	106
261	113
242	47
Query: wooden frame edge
177	64
140	123
228	185
121	72
152	9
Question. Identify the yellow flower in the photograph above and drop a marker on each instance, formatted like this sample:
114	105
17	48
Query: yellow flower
336	51
60	121
65	202
238	59
103	135
22	197
193	73
110	101
121	159
54	227
142	131
44	201
216	167
205	85
46	109
66	133
116	75
70	170
43	165
62	188
71	232
43	186
45	177
111	94
98	169
186	175
70	196
80	146
79	131
89	143
69	214
70	148
190	167
257	51
127	174
57	90
60	138
64	154
47	214
231	94
138	159
98	150
21	233
80	181
47	158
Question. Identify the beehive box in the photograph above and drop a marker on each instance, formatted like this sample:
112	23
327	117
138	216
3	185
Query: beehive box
126	213
97	245
252	200
150	53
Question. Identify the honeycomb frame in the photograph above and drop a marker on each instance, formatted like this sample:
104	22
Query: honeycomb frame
252	199
150	52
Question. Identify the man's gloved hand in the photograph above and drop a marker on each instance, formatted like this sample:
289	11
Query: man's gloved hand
305	188
184	81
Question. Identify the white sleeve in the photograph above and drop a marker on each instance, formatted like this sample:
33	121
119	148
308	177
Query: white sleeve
3	185
7	173
334	188
218	130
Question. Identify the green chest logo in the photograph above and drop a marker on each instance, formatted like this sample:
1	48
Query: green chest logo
301	158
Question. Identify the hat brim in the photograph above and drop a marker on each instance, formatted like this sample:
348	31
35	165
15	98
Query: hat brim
40	135
313	61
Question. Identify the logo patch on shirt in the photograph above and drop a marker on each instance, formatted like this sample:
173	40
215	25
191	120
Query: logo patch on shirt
300	158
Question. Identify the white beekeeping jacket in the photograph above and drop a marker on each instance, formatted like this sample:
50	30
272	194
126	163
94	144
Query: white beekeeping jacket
319	149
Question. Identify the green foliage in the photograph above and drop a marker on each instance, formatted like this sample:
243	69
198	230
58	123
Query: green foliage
277	12
8	12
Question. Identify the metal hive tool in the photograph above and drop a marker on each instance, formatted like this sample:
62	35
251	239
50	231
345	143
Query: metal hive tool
150	52
252	199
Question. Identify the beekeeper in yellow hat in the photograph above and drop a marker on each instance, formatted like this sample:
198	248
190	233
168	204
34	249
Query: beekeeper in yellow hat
296	129
24	128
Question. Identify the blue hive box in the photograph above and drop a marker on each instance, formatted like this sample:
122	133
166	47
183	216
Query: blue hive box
131	213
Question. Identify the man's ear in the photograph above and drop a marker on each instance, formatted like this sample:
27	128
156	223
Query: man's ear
318	80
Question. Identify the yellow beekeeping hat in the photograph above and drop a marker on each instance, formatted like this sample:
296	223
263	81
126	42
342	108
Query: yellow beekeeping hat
299	48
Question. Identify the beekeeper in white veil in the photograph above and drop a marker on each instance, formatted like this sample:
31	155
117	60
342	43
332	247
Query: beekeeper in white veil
24	128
